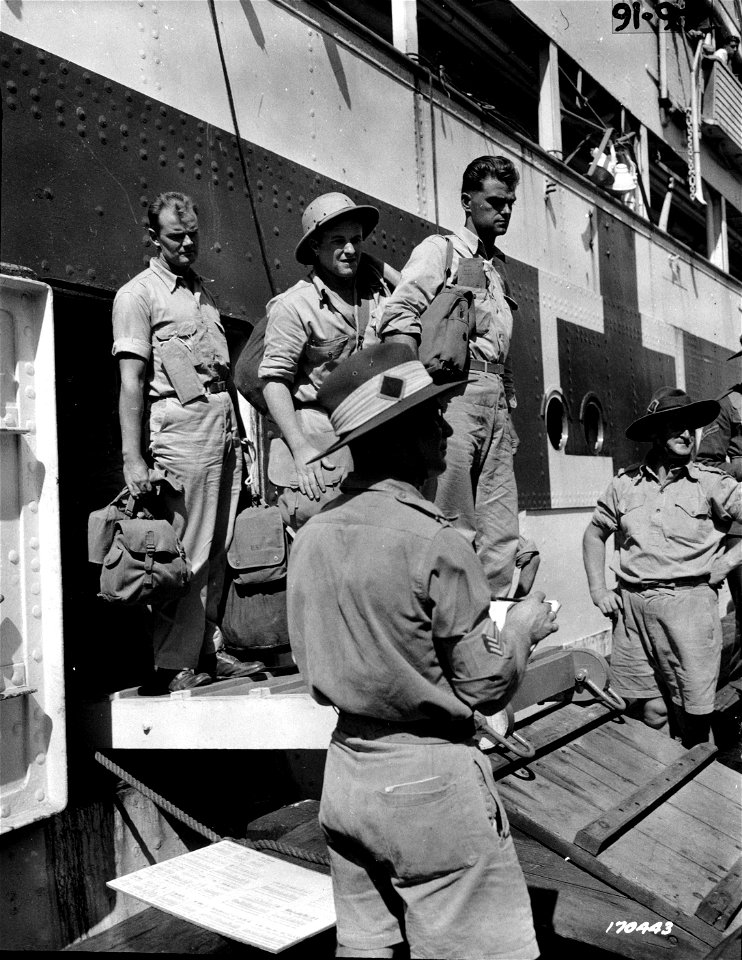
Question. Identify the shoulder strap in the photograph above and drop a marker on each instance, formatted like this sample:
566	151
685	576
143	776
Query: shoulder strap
363	315
449	255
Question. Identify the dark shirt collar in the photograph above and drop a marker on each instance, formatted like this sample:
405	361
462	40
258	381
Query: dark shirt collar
649	469
399	489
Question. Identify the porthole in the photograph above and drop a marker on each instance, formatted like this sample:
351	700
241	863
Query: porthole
555	417
593	423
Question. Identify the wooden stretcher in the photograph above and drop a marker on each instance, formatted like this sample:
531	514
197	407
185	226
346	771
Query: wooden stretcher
652	821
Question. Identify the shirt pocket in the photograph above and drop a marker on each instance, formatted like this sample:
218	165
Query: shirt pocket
484	308
325	353
632	517
184	330
689	518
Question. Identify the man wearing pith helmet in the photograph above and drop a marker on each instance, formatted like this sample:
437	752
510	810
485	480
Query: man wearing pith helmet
389	621
669	516
322	319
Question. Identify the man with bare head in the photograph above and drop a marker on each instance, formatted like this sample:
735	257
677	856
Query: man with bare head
174	366
478	484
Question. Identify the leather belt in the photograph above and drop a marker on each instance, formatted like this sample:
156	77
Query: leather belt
371	728
485	366
219	386
666	584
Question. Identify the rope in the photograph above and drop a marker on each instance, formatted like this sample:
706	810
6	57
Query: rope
157	798
289	851
297	853
243	162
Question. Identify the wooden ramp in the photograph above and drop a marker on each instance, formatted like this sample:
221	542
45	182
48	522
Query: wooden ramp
652	821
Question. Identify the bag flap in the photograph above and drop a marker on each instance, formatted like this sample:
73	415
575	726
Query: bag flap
259	539
135	535
316	427
444	305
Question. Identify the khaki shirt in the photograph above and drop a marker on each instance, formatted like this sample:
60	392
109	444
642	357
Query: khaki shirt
424	276
388	609
156	306
671	530
310	330
723	437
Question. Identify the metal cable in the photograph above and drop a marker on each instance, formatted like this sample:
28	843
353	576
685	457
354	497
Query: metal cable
243	162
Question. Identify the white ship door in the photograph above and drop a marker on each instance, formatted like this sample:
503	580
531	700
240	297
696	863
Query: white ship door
33	756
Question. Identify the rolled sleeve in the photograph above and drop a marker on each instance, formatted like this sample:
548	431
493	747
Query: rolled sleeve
726	499
285	340
605	514
422	278
132	325
526	550
476	659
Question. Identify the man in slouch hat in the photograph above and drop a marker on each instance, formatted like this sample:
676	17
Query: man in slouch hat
389	621
669	516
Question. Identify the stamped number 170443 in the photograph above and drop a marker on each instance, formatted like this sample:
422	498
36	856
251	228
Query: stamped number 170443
631	926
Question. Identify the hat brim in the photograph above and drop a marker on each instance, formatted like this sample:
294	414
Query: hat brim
427	393
693	416
365	213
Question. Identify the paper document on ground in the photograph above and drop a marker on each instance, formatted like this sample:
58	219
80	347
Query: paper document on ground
239	893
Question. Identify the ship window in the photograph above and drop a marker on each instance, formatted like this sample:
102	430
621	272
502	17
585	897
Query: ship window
593	423
376	15
492	63
555	417
588	112
488	54
672	206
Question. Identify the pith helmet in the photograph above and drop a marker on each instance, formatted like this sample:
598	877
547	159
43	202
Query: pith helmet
372	387
326	208
670	403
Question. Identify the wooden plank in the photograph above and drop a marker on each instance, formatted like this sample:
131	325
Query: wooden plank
681	846
669	846
599	834
152	931
730	948
551	730
605	758
690	924
718	907
719	778
660	872
711	824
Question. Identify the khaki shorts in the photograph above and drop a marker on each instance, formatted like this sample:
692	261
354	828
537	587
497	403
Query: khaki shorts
421	852
668	639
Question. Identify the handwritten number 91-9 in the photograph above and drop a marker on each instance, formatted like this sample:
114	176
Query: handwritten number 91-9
632	15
